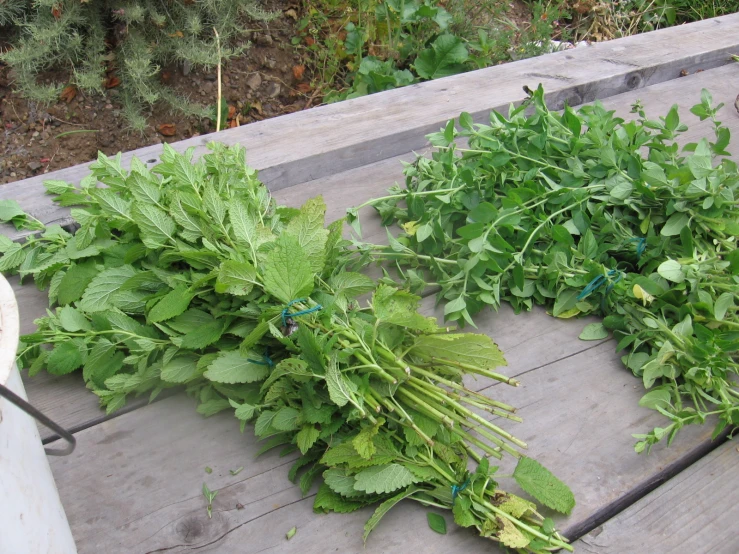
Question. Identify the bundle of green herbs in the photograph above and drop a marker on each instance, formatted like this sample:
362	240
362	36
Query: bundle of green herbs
586	213
190	275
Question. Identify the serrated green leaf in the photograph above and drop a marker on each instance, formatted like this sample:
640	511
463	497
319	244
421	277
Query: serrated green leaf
328	501
400	308
307	437
473	349
232	367
308	228
340	389
237	278
463	515
157	228
171	305
205	335
72	320
98	293
112	204
384	479
444	57
351	285
286	419
102	362
540	483
13	257
363	441
64	358
341	482
287	271
180	369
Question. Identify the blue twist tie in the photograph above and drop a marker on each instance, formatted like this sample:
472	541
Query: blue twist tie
266	360
641	246
457	489
285	314
598	282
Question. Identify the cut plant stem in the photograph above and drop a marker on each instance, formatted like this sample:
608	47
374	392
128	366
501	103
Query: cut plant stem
473	369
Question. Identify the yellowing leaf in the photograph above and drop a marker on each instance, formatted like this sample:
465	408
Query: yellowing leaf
642	295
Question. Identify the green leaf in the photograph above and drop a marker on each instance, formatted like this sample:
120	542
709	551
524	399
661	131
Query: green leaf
64	358
540	483
232	367
307	437
286	419
308	228
656	398
723	303
237	278
674	224
180	369
400	308
171	305
444	57
436	522
98	294
351	285
102	363
384	508
287	271
157	228
383	479
13	257
72	320
203	336
340	389
340	482
244	411
594	331
672	271
291	533
363	441
472	349
462	511
329	501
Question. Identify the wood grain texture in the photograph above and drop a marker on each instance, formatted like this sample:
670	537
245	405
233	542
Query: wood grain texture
695	511
133	485
365	130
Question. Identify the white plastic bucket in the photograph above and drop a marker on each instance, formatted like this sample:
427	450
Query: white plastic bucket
32	519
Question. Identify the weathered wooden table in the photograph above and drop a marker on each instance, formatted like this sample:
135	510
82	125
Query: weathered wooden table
134	482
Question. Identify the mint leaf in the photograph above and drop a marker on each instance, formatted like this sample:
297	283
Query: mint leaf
102	362
384	508
237	278
383	479
232	367
400	308
157	228
97	295
306	438
329	501
351	284
65	358
340	389
286	419
308	228
540	483
180	369
436	523
72	321
287	271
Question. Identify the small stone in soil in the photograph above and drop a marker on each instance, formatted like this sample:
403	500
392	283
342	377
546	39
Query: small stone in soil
264	40
254	81
273	90
210	77
34	166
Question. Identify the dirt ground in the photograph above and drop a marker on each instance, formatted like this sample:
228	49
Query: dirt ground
258	85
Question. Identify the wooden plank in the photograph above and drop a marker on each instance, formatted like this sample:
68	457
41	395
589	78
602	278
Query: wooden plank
695	511
120	491
66	399
323	141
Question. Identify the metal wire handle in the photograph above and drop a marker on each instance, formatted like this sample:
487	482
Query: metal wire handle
34	413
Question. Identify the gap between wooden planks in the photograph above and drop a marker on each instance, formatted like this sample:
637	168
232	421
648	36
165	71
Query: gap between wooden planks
65	399
323	141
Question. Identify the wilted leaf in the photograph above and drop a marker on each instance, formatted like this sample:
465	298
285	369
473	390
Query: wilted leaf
167	129
68	93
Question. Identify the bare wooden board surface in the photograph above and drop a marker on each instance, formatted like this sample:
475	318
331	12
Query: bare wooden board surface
696	511
66	399
134	483
323	141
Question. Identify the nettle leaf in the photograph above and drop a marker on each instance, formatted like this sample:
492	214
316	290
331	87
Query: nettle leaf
287	271
540	483
237	278
329	501
98	294
64	358
400	308
205	335
351	285
340	482
467	348
102	362
308	228
340	389
171	304
307	437
180	369
232	367
72	320
383	479
157	228
444	58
